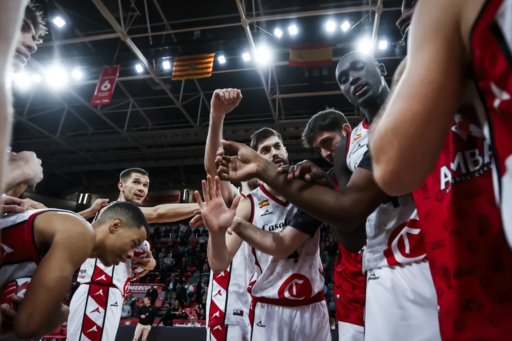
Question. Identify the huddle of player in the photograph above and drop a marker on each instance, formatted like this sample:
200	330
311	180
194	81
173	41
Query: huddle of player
419	203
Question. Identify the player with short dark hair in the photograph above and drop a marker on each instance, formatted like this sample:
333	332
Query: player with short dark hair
263	134
49	245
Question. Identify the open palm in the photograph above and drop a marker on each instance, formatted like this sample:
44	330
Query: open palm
242	167
216	216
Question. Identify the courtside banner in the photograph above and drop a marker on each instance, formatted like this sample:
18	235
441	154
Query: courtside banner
139	288
106	85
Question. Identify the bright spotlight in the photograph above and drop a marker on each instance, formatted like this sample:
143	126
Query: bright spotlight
166	65
278	33
330	26
59	22
22	80
56	77
383	44
293	30
263	55
345	26
139	68
221	59
246	57
365	45
36	78
77	74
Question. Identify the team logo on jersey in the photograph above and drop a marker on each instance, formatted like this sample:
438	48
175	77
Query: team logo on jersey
296	287
357	137
100	292
405	244
6	250
97	310
217	314
217	327
264	203
219	293
267	212
237	312
102	277
93	329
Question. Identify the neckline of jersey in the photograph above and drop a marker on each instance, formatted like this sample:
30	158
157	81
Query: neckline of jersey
271	196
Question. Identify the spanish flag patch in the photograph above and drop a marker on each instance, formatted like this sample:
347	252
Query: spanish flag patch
264	203
358	136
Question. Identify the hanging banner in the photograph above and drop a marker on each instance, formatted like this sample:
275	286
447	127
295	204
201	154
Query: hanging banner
106	85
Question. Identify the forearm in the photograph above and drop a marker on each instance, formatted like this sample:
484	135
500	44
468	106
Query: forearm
169	213
87	214
267	242
14	174
218	254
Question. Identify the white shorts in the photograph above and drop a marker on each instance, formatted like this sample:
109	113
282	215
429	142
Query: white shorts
94	313
401	304
350	332
227	333
277	323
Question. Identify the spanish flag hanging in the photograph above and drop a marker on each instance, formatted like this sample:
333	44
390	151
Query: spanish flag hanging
189	67
310	55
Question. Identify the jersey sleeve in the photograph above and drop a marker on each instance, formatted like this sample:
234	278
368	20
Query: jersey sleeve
366	161
305	223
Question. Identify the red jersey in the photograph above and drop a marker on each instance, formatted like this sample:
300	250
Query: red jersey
349	285
491	45
469	258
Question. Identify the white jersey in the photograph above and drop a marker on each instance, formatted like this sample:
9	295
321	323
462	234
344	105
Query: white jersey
228	300
393	230
299	277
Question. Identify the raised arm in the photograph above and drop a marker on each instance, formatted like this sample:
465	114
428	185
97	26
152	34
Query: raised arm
223	102
169	213
408	136
42	310
23	168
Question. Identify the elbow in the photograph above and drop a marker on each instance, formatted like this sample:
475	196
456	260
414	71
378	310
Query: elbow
395	180
217	269
25	328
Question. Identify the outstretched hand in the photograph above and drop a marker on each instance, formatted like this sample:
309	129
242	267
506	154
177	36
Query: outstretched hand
242	167
308	171
215	214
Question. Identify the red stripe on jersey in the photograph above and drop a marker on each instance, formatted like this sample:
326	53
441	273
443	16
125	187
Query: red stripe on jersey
101	276
277	200
91	330
216	316
219	332
283	302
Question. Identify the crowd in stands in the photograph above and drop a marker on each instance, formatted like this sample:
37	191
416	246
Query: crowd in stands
182	270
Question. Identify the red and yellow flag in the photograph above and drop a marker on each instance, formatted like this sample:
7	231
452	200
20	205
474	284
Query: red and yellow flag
189	67
264	203
310	55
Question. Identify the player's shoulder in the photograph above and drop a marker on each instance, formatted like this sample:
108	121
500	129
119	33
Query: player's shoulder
65	223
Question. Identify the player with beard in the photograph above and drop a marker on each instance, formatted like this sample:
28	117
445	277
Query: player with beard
95	319
457	199
287	287
323	132
400	296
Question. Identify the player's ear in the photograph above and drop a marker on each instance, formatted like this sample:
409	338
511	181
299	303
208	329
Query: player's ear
346	129
383	71
120	185
115	226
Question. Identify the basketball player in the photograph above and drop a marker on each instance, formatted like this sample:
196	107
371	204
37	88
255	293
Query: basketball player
323	132
49	245
457	199
228	300
287	287
394	257
87	320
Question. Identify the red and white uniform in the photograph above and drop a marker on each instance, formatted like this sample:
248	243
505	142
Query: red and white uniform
288	301
228	301
491	43
470	259
401	301
20	256
96	306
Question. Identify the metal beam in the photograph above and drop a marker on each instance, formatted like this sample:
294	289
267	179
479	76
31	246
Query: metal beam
203	97
378	13
141	111
310	13
308	94
110	18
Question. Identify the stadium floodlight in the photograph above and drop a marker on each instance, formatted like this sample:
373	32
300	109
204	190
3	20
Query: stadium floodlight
59	22
345	26
56	77
166	65
383	44
36	78
330	26
246	56
278	33
293	30
77	74
365	45
139	68
222	59
263	55
22	80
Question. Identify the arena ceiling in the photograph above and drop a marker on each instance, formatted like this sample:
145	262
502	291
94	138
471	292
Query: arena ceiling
159	124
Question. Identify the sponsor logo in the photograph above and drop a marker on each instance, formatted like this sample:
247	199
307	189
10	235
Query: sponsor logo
114	305
237	312
372	276
357	137
264	203
296	287
267	212
276	227
93	329
259	324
